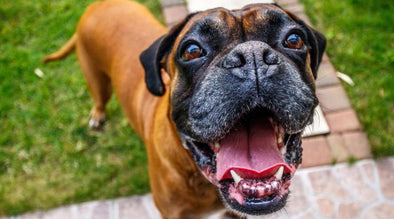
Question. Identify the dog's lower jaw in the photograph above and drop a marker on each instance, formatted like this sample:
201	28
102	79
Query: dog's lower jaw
233	196
258	208
254	196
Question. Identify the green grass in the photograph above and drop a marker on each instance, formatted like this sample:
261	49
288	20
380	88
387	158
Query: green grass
48	156
360	37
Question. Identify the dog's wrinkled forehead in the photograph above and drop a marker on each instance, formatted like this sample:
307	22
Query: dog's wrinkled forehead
214	32
259	21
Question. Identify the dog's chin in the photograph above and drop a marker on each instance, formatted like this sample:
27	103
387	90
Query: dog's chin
252	165
254	206
246	201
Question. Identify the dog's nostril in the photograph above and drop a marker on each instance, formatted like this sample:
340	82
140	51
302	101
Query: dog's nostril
270	58
234	60
241	59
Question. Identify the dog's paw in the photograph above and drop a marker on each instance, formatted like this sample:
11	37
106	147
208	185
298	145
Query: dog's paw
97	125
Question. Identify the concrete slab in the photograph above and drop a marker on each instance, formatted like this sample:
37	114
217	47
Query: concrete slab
363	190
199	5
319	125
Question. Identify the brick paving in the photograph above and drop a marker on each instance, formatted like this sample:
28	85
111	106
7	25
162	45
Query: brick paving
363	190
319	190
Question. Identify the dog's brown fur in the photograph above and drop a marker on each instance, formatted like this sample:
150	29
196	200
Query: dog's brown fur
109	39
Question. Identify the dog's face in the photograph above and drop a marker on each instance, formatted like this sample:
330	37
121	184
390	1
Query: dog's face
242	91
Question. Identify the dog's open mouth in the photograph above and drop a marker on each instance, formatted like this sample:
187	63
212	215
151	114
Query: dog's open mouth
252	165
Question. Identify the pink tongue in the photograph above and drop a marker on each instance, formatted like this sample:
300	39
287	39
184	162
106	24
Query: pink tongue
251	153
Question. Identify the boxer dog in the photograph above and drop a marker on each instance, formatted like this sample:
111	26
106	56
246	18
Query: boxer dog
220	100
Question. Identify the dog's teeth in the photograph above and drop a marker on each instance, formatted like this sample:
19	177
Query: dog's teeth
279	173
235	176
275	184
283	150
280	139
184	145
217	145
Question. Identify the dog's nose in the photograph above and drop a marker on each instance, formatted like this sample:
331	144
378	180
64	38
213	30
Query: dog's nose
251	54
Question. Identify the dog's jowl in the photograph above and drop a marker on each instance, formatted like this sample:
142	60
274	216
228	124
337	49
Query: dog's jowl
220	100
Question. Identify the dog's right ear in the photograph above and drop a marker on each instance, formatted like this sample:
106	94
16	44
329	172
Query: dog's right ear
151	58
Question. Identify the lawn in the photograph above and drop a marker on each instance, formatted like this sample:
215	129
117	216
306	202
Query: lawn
48	156
360	37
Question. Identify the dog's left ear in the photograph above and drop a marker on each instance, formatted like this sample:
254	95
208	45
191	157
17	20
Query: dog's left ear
151	58
316	40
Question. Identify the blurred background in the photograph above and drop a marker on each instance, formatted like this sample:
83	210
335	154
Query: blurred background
49	157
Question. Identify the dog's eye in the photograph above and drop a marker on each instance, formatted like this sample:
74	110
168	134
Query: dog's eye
192	51
294	41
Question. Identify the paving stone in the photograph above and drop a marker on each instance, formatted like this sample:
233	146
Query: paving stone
326	75
84	210
174	14
357	144
281	214
353	179
386	169
307	215
297	201
326	207
324	183
319	125
305	18
369	169
63	212
35	215
285	3
315	152
333	98
165	3
380	211
102	210
149	204
349	210
325	58
132	208
337	147
298	9
199	5
221	214
343	121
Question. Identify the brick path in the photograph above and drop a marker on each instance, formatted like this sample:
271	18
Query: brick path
363	190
